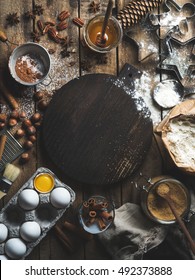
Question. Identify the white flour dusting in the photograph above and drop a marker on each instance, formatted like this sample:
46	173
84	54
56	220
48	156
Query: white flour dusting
166	95
61	72
144	87
142	95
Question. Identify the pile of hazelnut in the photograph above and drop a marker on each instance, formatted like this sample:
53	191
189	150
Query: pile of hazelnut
23	128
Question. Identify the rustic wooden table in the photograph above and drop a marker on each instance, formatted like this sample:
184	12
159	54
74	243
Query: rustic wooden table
75	63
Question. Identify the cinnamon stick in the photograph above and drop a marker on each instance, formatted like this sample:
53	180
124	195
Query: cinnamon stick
9	97
106	215
3	139
101	224
77	230
68	244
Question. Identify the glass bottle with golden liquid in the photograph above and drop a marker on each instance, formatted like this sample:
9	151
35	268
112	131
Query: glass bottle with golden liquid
93	29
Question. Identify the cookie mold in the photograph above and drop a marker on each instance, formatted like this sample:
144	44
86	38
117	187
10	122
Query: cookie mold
44	216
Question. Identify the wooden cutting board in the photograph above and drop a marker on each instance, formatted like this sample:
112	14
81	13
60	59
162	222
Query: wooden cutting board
96	130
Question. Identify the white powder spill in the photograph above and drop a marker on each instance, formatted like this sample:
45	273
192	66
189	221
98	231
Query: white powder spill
144	87
61	71
142	96
181	139
166	95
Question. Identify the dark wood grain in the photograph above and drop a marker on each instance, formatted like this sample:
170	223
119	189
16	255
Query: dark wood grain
89	130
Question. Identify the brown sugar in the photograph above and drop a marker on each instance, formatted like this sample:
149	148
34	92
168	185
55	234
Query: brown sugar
28	69
158	206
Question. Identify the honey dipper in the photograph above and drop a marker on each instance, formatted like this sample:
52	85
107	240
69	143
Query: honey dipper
101	38
163	191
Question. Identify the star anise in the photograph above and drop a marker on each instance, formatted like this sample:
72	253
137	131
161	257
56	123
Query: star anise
86	65
66	41
12	19
38	10
94	7
65	53
35	36
29	15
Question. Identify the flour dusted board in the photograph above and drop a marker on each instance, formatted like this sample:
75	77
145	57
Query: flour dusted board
97	130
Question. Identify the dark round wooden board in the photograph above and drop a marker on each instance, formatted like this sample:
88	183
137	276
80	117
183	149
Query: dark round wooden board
96	130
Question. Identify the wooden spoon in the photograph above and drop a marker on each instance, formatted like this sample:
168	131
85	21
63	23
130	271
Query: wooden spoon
163	191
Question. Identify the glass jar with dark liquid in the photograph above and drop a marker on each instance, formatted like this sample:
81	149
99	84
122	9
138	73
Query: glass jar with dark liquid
113	34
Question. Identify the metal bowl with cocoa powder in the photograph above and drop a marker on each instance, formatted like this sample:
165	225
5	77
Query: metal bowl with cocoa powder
29	64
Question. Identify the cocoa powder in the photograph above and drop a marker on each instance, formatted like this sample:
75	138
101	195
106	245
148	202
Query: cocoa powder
28	69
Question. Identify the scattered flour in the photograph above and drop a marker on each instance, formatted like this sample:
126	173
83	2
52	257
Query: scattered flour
142	95
144	87
165	95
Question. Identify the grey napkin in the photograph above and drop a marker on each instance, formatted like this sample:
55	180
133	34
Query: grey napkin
133	236
132	233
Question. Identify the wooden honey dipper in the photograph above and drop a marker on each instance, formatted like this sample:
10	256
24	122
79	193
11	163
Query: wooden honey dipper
101	37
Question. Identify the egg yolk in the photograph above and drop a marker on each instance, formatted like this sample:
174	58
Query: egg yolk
44	183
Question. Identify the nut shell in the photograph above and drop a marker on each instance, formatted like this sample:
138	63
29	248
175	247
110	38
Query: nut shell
12	122
14	114
31	130
3	117
26	123
28	144
20	133
36	117
24	158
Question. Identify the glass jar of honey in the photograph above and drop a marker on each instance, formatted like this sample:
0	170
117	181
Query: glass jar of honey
113	34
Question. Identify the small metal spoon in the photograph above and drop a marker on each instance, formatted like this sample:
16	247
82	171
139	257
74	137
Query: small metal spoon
163	191
175	93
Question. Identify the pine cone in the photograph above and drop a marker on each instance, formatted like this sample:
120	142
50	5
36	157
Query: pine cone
135	11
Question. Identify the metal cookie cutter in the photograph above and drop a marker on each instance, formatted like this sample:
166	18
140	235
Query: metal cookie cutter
175	22
149	44
180	60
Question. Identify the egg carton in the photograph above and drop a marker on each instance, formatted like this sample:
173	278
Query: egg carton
13	215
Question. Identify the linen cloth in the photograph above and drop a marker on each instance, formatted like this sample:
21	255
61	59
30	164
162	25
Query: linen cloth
134	236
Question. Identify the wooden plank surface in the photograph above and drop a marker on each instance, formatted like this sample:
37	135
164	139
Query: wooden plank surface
65	67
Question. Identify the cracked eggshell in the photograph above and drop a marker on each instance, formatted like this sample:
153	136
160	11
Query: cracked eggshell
28	199
60	197
30	231
3	233
15	248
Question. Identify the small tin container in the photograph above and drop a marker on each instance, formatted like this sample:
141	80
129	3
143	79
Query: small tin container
156	208
35	52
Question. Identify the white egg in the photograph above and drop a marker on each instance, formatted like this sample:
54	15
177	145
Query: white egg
3	233
30	231
28	199
15	248
60	197
3	257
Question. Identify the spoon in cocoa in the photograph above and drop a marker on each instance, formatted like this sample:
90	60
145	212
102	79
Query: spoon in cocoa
163	191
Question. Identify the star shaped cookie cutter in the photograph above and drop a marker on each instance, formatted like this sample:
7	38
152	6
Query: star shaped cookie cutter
149	44
180	60
175	21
